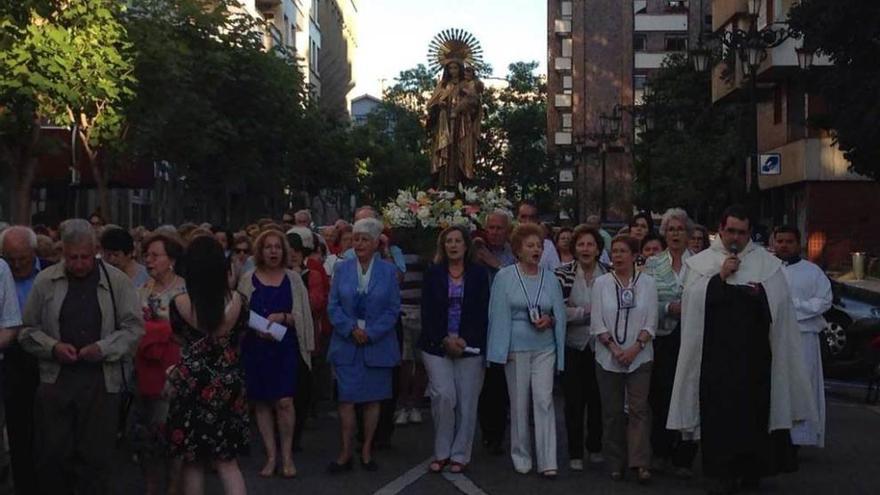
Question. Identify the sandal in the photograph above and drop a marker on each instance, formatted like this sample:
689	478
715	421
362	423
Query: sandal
288	472
269	469
438	465
457	467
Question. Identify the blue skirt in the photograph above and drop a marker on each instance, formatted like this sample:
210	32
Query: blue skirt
359	383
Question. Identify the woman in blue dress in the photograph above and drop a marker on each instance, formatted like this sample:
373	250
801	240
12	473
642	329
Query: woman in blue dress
364	308
271	367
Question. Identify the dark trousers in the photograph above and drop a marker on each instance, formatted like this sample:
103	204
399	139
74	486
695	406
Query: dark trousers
667	444
76	420
302	401
581	392
493	406
21	378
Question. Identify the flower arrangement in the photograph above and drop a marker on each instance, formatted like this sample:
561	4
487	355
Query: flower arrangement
433	209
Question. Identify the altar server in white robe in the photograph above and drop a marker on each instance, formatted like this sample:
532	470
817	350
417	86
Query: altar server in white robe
740	383
812	297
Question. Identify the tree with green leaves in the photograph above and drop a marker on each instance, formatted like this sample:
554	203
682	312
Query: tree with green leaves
691	156
66	63
847	31
230	116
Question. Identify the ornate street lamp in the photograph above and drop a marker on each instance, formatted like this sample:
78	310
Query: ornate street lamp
700	58
805	57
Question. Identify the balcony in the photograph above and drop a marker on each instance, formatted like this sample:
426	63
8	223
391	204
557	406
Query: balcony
661	22
813	159
650	60
272	38
562	27
562	63
562	138
562	100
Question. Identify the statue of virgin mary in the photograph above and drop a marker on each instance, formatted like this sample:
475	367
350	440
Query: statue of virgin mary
455	108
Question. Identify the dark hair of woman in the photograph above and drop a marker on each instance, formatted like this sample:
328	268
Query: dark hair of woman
440	255
206	281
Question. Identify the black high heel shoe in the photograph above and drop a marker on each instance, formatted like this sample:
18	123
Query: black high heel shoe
336	468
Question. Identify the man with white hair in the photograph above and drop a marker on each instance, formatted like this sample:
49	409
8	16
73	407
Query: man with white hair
10	320
81	320
18	245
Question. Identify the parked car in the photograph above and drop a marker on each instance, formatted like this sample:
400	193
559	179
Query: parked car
852	324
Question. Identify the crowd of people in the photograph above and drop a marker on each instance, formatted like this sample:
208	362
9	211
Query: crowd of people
667	343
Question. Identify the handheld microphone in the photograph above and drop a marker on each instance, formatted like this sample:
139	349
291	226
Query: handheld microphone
734	249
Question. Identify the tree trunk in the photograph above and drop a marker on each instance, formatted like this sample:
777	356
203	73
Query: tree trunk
24	179
24	164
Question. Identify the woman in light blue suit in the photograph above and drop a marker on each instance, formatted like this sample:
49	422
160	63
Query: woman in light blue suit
364	308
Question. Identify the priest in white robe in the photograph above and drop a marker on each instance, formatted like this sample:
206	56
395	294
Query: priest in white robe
812	297
740	383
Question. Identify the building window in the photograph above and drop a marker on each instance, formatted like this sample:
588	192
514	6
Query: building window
566	47
566	121
676	43
566	82
639	81
640	42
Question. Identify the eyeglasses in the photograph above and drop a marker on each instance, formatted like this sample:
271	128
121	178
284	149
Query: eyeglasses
241	251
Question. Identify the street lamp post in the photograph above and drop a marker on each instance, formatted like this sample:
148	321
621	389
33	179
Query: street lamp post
608	132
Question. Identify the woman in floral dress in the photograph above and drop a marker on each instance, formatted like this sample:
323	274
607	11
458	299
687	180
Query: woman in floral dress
208	421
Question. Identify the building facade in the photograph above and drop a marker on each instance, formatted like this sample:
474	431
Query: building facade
600	53
811	185
338	21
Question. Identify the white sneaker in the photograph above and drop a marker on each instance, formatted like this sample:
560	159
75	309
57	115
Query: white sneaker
596	458
576	464
415	416
400	417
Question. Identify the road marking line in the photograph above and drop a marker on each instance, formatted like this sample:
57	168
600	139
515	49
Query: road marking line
464	484
397	485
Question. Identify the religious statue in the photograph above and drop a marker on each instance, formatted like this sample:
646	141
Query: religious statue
455	109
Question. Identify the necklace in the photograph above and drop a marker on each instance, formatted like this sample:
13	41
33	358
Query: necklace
171	285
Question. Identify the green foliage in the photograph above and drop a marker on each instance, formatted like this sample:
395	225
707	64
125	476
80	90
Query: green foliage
513	151
233	118
692	158
848	32
391	153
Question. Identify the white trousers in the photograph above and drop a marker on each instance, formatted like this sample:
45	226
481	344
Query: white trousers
812	432
530	382
454	386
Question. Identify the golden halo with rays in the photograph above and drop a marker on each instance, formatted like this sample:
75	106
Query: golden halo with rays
455	45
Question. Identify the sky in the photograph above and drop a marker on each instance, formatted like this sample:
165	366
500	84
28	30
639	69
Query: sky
393	35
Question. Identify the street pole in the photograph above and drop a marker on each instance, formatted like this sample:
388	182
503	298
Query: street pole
754	191
604	209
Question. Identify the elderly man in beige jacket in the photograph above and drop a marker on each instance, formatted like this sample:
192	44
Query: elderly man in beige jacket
82	322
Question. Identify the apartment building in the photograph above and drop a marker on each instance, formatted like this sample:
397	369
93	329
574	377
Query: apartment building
338	22
600	53
809	184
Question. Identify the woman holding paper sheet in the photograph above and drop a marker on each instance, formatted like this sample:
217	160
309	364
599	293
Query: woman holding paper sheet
364	308
455	301
279	296
527	335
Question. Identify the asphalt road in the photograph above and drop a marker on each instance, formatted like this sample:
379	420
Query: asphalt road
848	465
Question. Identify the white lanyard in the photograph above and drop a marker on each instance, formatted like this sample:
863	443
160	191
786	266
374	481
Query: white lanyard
532	305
